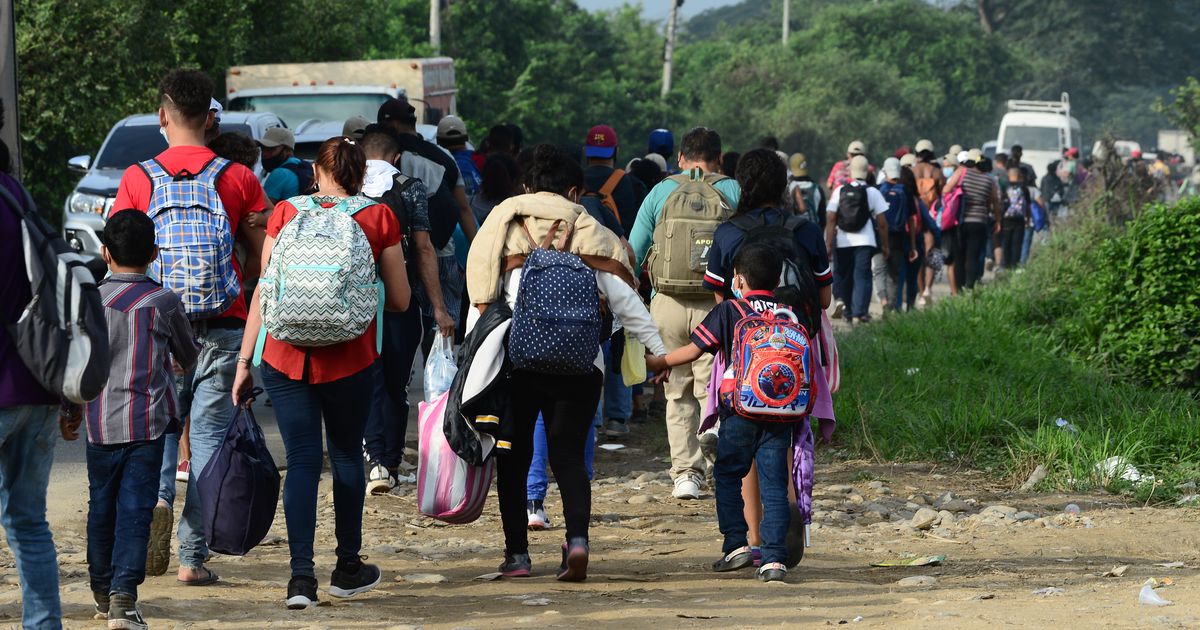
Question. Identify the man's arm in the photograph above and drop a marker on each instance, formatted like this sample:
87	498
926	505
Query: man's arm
641	237
427	270
881	234
466	218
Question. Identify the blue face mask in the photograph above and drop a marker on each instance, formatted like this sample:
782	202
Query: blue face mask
737	293
948	171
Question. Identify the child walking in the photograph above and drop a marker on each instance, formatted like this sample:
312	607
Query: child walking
742	441
127	422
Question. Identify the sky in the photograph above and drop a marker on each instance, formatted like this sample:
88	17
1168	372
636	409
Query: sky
656	9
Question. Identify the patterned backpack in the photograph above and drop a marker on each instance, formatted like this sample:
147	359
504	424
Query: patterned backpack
320	286
556	324
771	371
195	239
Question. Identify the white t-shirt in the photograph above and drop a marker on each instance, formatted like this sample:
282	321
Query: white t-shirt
866	236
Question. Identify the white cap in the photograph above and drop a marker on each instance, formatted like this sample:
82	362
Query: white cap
215	107
859	167
962	157
891	168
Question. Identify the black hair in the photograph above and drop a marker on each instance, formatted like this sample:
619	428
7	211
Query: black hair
647	171
379	140
763	178
129	237
769	142
1001	157
926	156
500	140
514	132
984	164
1052	168
188	92
501	177
760	264
729	163
1016	148
551	170
701	144
236	147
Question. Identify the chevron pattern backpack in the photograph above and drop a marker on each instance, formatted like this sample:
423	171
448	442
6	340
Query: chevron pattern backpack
195	239
320	286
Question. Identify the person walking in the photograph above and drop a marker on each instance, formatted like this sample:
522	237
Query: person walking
855	227
980	206
328	386
567	396
696	201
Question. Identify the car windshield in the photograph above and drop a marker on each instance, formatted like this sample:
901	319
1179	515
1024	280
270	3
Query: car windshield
296	108
131	144
1032	138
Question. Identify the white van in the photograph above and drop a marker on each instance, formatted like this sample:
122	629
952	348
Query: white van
1044	129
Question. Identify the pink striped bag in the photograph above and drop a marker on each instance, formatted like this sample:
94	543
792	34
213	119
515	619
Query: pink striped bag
448	488
829	350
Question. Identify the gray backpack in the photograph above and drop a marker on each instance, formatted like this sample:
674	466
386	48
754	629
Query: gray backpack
320	286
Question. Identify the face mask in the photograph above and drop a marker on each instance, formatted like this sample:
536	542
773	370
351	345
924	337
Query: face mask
948	171
272	163
737	293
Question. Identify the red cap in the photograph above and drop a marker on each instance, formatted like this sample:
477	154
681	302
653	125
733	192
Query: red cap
1135	154
1073	152
601	142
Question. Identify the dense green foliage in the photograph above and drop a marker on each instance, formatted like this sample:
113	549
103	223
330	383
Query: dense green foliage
1100	330
1183	108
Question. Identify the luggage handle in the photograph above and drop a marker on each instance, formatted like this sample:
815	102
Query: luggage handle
786	314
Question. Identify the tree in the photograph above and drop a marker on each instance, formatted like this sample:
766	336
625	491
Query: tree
1184	109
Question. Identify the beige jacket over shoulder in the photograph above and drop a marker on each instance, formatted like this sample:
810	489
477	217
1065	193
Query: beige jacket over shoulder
501	245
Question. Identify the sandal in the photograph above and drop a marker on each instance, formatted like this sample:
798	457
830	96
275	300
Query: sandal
772	572
209	578
739	558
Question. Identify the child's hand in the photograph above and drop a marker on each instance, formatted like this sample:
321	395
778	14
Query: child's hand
69	421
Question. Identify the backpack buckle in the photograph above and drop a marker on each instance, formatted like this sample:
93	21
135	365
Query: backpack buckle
183	176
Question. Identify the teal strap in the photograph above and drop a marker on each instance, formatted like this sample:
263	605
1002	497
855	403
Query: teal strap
379	318
258	344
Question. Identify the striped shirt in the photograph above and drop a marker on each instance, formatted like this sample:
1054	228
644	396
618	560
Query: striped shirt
978	190
146	327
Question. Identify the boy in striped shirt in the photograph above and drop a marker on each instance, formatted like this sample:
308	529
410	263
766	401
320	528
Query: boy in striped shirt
126	424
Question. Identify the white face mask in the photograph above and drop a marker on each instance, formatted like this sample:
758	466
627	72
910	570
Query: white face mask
163	131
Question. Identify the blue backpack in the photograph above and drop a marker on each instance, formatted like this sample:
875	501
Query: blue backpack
899	209
239	487
556	324
195	239
1040	221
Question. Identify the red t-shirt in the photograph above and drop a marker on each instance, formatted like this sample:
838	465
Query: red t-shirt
239	189
331	363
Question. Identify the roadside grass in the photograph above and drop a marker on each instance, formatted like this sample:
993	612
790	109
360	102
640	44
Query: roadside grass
980	380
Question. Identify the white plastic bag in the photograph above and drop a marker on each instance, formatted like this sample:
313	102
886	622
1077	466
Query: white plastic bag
440	367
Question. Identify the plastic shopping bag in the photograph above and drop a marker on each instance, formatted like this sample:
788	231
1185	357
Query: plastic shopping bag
440	367
633	362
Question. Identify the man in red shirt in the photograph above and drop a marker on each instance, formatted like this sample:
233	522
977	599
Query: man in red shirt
184	114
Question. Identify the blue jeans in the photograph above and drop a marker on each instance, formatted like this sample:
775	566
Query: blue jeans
122	491
618	397
1026	245
208	387
166	473
742	442
853	273
27	436
299	408
388	423
537	482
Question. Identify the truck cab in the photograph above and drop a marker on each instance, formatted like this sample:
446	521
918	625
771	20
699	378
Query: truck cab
1044	129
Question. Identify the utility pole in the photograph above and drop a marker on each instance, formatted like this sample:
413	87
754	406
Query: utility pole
435	26
787	20
669	51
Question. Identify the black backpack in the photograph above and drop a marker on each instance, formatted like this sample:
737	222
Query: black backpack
62	335
797	283
853	211
304	173
393	198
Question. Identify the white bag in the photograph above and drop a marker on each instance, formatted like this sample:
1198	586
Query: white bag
440	367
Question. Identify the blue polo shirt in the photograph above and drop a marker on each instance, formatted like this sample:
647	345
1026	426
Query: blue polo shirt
282	182
728	238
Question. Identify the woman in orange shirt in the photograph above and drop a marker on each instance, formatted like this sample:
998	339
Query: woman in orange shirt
333	382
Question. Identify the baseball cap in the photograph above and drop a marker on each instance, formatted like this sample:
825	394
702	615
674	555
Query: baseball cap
1073	152
1136	154
452	128
397	109
975	155
355	126
902	151
798	164
214	106
601	142
658	160
962	157
909	159
856	148
278	136
923	145
891	168
955	149
858	167
661	141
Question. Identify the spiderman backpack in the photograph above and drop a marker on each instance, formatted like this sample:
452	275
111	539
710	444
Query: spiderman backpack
771	375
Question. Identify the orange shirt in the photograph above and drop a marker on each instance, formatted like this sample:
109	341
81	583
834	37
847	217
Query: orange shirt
330	363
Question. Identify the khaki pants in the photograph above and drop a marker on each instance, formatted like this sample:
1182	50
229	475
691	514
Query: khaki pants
688	385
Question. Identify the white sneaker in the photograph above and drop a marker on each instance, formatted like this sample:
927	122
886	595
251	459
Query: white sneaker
838	310
379	480
536	512
686	487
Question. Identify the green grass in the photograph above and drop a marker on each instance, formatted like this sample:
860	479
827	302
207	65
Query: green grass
980	380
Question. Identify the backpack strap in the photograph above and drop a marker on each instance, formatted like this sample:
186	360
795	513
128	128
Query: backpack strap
610	184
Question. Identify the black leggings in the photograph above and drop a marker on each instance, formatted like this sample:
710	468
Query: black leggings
568	405
974	240
1012	239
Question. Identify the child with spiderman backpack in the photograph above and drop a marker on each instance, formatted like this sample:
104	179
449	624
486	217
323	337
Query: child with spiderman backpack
766	397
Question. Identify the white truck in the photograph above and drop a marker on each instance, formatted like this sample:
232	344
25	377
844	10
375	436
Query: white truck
315	99
1043	129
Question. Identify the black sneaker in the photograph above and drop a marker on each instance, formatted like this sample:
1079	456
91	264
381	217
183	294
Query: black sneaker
352	577
302	592
516	565
574	561
101	599
123	614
